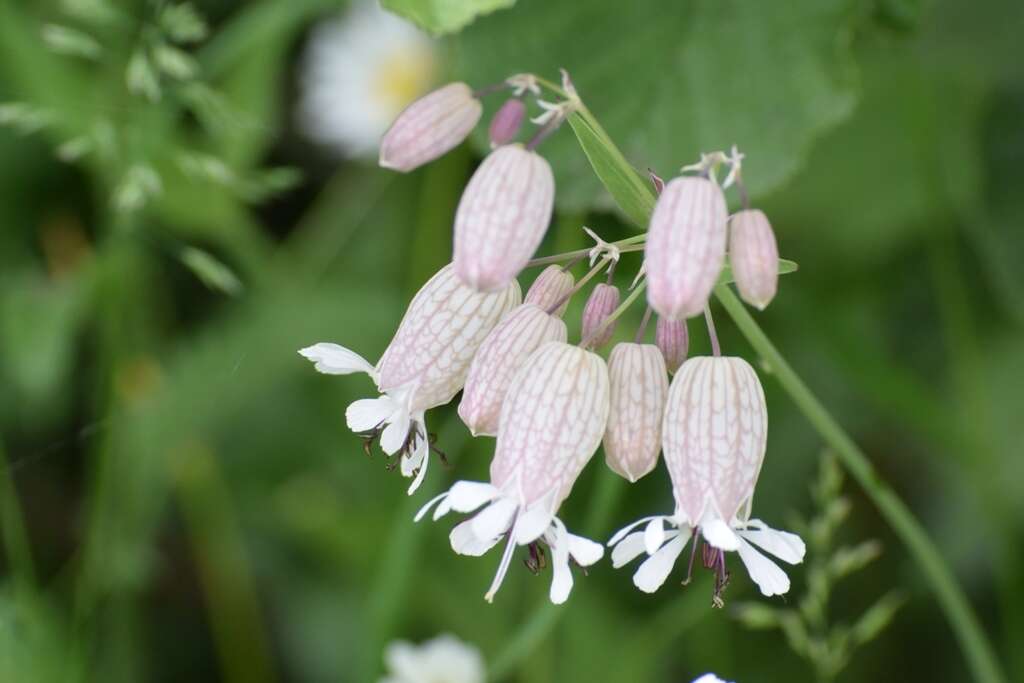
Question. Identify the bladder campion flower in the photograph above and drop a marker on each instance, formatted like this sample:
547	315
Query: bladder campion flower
552	287
754	257
551	423
673	339
502	217
442	659
506	122
685	247
639	387
424	366
601	303
506	348
430	127
714	436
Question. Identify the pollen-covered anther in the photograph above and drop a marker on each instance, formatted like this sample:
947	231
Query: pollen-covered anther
502	217
754	257
506	348
551	288
685	247
596	330
430	127
639	387
673	339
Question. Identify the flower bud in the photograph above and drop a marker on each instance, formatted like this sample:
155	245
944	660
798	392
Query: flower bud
602	302
552	421
551	287
673	339
714	435
639	387
507	121
430	127
435	343
685	246
754	257
503	352
502	217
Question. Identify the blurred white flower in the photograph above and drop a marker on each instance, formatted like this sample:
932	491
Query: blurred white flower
709	678
360	70
444	659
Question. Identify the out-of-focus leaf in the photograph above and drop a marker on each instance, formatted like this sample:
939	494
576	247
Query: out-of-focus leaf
70	41
443	16
876	618
210	271
688	77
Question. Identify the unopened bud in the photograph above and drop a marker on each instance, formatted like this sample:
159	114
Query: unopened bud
430	127
639	387
502	217
602	302
507	121
754	257
673	339
552	286
685	247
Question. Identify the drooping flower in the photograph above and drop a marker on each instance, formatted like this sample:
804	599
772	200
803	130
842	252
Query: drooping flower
639	387
685	247
430	127
506	122
714	436
442	659
551	423
358	72
601	303
502	217
506	348
709	678
551	288
424	366
754	257
673	339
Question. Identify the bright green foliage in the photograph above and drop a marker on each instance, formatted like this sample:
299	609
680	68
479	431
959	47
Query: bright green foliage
770	77
443	16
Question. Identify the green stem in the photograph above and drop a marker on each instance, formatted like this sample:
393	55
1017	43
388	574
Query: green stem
961	617
15	537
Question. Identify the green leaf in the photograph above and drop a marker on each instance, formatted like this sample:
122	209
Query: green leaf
443	16
785	266
212	272
670	80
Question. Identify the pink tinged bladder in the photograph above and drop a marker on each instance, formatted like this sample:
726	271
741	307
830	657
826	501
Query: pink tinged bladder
754	257
685	248
551	289
673	339
502	217
506	122
638	391
502	353
440	333
430	127
601	303
714	436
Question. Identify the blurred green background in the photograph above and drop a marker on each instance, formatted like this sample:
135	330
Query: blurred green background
182	500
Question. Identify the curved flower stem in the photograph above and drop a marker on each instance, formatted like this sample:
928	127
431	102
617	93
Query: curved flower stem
961	617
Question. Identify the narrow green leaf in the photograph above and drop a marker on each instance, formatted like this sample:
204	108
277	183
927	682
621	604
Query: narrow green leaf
210	271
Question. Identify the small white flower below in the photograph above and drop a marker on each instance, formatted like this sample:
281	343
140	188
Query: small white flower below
444	659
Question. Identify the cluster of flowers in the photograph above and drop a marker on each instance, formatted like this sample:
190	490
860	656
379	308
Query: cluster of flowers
551	403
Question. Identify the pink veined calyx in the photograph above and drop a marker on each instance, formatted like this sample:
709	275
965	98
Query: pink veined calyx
424	366
551	423
714	436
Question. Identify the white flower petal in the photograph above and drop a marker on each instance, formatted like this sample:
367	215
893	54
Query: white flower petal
561	579
393	437
628	549
709	678
584	551
332	359
654	535
466	496
465	542
369	413
495	519
784	545
422	454
621	533
655	569
535	520
765	573
717	533
430	503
